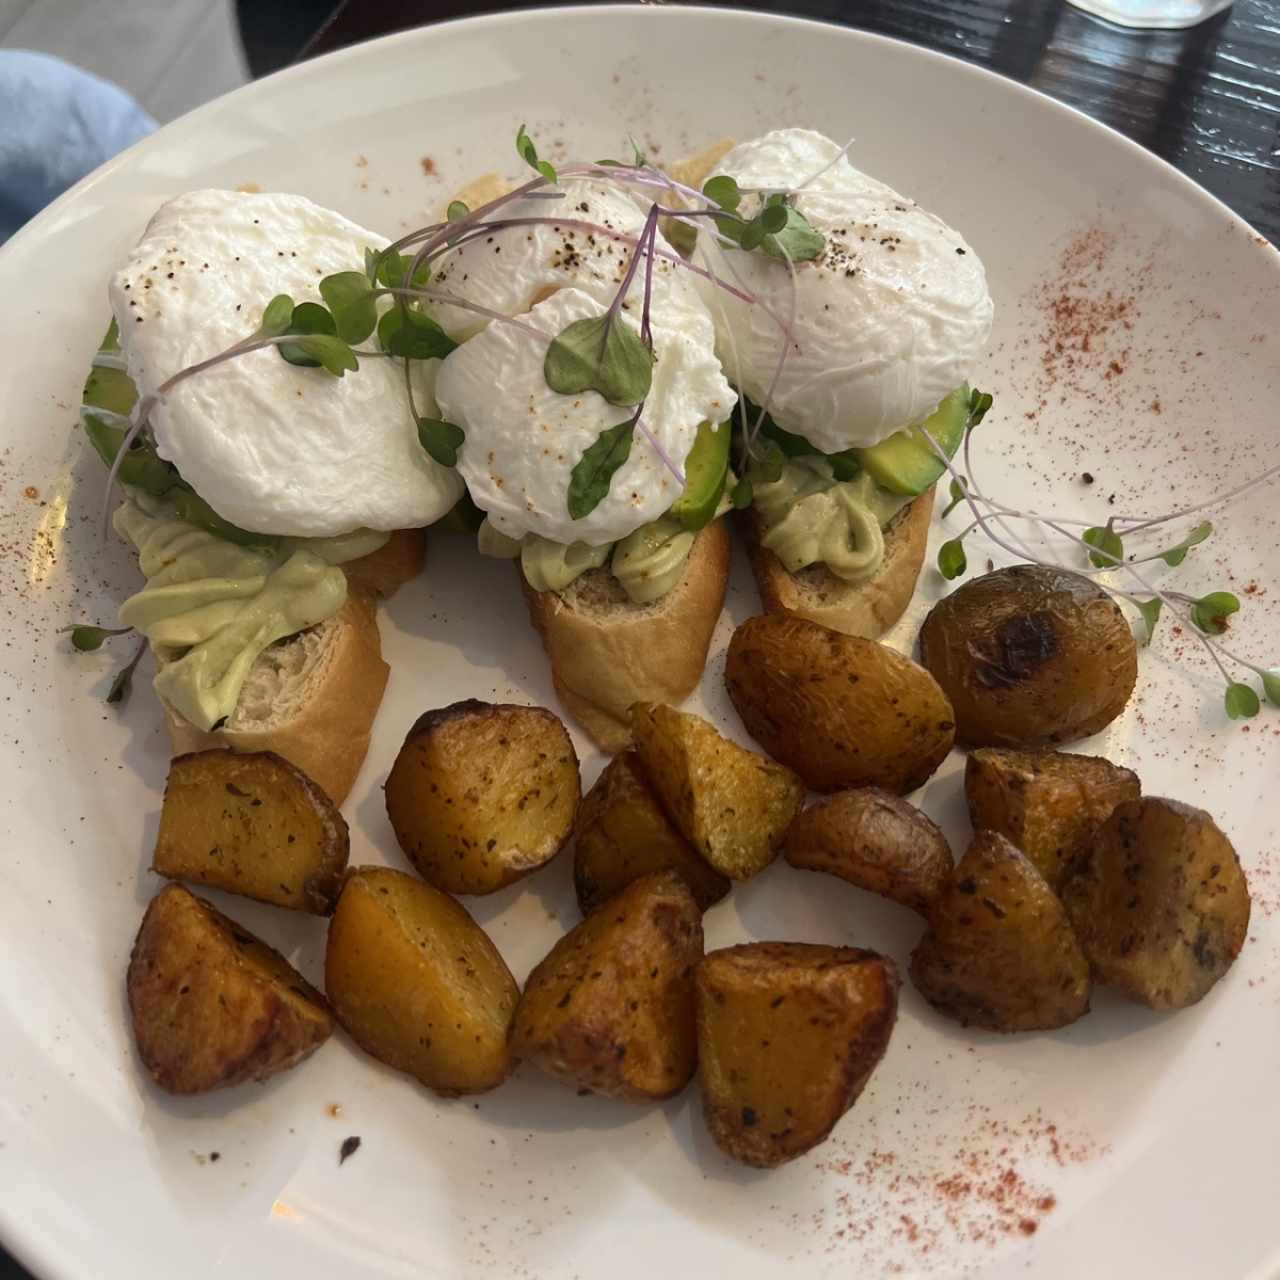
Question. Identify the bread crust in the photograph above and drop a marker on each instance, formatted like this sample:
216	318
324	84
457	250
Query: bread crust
605	658
329	738
866	609
397	561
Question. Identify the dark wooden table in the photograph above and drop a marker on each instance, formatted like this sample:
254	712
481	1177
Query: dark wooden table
1207	99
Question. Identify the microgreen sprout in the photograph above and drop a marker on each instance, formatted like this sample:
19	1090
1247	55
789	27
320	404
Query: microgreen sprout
123	683
1208	614
86	638
529	154
441	440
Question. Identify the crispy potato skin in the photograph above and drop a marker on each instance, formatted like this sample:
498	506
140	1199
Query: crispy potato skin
840	710
622	834
417	984
1161	906
875	840
732	805
1000	952
212	1005
1030	656
252	824
1048	803
482	794
610	1008
788	1035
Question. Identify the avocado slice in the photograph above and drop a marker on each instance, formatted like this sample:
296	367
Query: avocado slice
905	463
705	470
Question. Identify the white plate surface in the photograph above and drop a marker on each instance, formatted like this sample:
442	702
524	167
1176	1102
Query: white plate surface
1128	1145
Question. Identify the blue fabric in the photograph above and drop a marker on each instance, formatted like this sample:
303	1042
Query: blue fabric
57	123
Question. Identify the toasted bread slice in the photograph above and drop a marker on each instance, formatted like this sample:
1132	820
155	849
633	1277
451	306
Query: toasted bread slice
397	561
607	653
858	609
311	699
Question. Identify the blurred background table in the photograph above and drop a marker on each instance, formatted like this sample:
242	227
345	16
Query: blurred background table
1206	99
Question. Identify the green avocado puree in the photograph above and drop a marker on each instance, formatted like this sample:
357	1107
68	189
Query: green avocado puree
210	606
812	518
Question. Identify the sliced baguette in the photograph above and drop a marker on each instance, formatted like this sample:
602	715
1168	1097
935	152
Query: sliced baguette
396	562
866	609
607	653
311	699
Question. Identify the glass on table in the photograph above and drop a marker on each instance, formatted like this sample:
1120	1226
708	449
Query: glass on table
1169	14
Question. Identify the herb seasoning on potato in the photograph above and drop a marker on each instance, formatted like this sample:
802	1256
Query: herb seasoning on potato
788	1035
1048	803
839	710
1000	952
622	834
1161	905
252	824
610	1008
731	804
875	840
211	1004
417	984
1030	656
482	794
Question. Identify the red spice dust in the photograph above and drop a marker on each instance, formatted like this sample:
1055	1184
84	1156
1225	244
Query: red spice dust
31	492
428	166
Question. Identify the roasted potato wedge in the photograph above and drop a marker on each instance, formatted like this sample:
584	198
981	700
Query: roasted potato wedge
418	984
731	804
251	824
1048	803
623	834
610	1009
839	710
1000	952
1161	906
482	794
788	1035
211	1004
875	840
1030	656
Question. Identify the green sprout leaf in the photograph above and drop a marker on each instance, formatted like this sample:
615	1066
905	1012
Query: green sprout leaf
979	403
408	332
1150	610
456	211
308	318
276	316
393	271
845	465
723	190
600	354
350	300
1110	550
371	259
529	154
1241	701
86	638
1271	684
123	682
795	240
332	354
773	217
592	473
1176	555
952	561
1210	613
441	440
742	495
753	234
768	467
637	154
957	492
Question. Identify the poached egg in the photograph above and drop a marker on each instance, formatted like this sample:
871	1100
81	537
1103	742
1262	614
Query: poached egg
272	447
523	439
889	318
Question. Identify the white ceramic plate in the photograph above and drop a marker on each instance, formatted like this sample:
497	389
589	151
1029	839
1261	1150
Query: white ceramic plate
1130	1144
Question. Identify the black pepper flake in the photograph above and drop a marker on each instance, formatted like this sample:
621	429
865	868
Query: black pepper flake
215	1156
349	1147
1086	477
960	251
749	1117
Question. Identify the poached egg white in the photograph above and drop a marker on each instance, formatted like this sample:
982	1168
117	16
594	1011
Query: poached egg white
889	318
272	447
